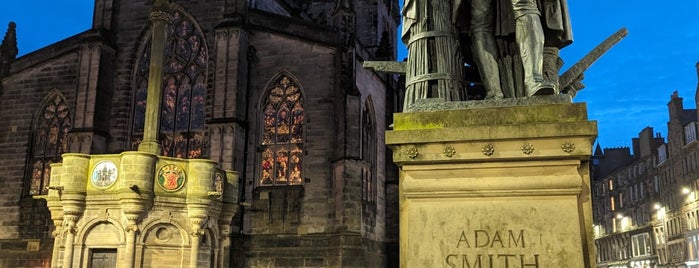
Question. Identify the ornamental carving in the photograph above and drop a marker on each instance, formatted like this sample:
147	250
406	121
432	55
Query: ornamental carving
488	149
171	178
104	175
568	146
527	148
449	151
412	152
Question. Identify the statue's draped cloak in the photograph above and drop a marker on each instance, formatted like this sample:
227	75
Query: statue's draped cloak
435	66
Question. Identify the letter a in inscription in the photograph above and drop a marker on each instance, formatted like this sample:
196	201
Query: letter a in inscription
463	239
496	238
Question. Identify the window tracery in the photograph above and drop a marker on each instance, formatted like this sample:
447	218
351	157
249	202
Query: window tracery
368	153
182	114
282	134
49	141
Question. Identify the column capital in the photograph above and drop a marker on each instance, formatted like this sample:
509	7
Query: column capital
160	14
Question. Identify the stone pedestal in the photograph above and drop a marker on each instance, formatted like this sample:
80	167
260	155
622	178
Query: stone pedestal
495	184
136	209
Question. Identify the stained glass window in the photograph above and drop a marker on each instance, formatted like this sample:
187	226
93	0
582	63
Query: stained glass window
184	87
282	134
49	141
368	153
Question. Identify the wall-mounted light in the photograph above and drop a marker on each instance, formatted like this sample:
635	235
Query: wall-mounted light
685	190
660	214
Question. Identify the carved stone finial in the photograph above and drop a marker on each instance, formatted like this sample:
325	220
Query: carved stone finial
8	48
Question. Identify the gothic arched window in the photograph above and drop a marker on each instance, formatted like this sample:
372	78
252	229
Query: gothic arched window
184	88
368	153
49	140
282	134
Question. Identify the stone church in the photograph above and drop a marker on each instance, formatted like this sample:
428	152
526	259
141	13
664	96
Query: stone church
270	90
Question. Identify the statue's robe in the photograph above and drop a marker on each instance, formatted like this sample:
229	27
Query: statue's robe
435	65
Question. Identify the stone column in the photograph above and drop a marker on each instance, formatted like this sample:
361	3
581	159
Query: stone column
130	250
69	229
496	183
53	202
160	15
196	238
200	206
136	196
74	186
228	209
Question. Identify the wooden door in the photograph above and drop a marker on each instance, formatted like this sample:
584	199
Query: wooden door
103	258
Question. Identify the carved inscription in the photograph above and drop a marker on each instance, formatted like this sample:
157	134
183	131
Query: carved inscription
508	247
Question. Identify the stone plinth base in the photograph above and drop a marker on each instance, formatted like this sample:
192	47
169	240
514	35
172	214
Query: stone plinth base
495	185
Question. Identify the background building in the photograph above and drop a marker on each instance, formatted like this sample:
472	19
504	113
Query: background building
646	204
273	89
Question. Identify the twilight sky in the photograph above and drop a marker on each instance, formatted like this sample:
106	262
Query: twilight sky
626	90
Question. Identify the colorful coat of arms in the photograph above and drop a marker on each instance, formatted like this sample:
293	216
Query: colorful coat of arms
171	178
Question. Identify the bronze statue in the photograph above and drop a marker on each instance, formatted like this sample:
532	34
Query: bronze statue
514	45
521	29
482	25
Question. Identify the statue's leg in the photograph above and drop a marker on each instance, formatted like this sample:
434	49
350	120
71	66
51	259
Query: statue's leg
483	46
530	41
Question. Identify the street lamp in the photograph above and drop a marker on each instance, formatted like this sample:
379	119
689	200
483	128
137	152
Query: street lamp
685	191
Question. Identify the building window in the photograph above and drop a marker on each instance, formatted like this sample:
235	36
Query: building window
611	202
369	153
49	140
690	133
621	200
640	245
662	153
282	134
611	184
182	112
693	248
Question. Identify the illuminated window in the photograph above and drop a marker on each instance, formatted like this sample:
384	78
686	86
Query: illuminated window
368	153
182	112
49	140
611	184
282	134
611	202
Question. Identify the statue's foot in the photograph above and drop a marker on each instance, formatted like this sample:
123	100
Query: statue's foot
541	88
494	95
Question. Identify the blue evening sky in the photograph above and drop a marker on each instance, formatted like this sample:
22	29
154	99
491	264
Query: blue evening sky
626	90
